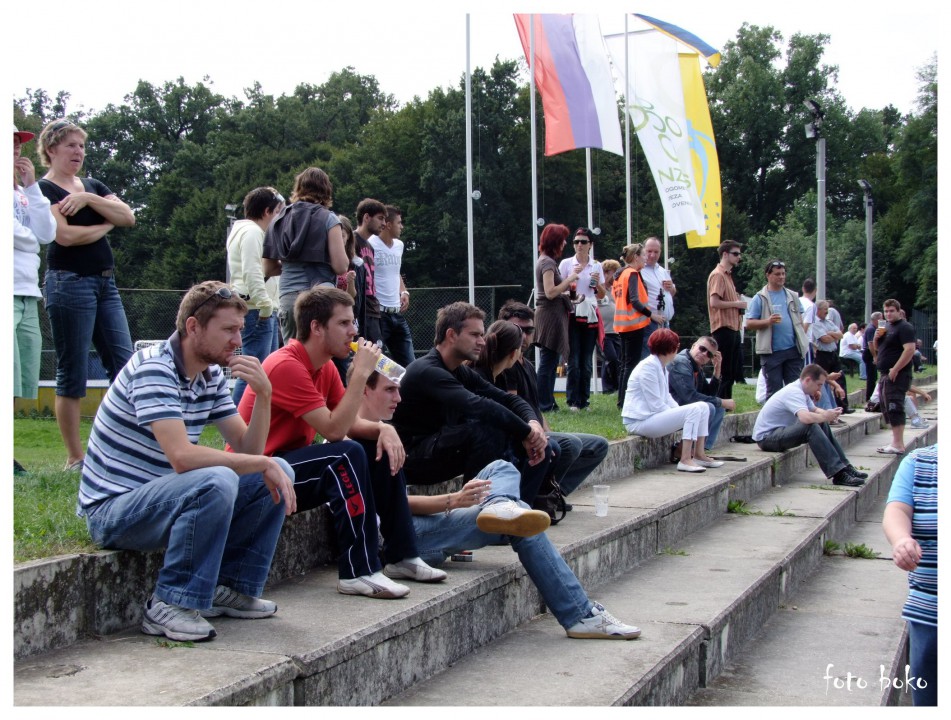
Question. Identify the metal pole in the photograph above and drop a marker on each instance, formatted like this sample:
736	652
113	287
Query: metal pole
587	153
469	170
821	241
869	206
627	131
531	105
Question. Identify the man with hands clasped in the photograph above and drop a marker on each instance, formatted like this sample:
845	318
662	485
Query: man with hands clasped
308	398
790	418
147	483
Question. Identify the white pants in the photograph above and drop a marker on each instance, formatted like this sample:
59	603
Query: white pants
693	419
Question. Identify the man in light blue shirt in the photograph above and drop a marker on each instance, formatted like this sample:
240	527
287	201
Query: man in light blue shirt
776	316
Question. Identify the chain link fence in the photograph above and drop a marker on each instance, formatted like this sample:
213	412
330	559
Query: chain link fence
151	315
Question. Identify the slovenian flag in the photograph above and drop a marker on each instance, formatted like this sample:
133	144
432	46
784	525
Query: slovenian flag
573	75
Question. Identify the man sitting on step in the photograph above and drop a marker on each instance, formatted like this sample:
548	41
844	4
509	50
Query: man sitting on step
147	483
487	511
309	398
790	418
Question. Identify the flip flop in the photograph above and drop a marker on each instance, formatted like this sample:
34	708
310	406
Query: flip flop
889	450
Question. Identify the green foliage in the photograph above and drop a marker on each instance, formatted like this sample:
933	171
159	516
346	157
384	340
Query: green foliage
671	551
738	507
860	551
781	512
830	547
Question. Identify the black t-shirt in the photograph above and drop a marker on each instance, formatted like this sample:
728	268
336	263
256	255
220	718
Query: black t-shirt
83	260
867	338
891	346
522	380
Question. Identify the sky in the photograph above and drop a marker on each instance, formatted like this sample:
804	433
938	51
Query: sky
412	47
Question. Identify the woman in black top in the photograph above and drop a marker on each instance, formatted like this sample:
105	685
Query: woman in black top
80	292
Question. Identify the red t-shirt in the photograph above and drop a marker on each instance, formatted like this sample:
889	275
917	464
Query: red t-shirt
296	389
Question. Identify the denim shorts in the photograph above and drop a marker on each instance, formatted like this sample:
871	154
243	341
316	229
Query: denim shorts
85	311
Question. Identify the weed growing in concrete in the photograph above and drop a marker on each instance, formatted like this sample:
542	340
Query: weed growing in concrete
671	551
830	547
860	551
738	507
172	644
780	512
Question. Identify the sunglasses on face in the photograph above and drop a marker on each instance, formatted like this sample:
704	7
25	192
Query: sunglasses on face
527	330
579	241
223	292
735	253
706	350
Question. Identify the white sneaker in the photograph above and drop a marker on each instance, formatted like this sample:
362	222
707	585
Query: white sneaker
175	622
602	625
507	517
920	423
708	463
414	569
376	585
238	605
684	467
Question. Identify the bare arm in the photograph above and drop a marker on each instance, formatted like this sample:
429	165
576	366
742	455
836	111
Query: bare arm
552	291
472	492
334	425
897	526
68	235
272	267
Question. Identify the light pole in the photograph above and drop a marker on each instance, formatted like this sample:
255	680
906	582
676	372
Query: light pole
230	210
814	130
869	205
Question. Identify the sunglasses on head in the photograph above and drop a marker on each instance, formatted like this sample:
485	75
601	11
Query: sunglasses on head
224	292
775	264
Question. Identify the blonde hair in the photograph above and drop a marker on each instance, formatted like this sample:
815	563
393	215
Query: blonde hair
628	252
53	134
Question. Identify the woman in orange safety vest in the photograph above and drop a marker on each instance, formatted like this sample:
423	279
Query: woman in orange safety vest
631	313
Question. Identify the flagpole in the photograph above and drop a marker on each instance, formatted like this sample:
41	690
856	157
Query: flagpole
587	153
627	129
531	100
469	169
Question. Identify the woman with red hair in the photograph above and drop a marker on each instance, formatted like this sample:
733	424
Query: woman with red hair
552	308
651	411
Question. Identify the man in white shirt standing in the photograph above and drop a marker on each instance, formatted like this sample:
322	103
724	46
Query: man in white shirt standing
660	290
390	288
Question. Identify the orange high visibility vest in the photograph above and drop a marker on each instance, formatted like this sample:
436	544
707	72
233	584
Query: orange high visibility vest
626	318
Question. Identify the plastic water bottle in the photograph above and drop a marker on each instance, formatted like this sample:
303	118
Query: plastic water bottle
386	367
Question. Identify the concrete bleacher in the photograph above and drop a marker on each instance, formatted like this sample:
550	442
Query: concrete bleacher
702	584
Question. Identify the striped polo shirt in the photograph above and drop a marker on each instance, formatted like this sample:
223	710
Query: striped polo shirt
123	454
916	484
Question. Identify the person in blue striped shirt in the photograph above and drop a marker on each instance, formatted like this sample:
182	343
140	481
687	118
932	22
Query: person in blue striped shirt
911	526
147	484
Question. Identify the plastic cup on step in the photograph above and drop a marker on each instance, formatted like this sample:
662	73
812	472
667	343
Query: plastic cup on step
601	499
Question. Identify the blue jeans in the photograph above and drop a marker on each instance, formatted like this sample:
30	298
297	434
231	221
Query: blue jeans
257	339
713	426
582	340
781	368
217	528
611	363
923	662
439	536
397	337
84	311
829	454
579	454
545	378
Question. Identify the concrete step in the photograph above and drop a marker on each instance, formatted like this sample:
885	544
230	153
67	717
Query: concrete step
320	641
698	603
838	641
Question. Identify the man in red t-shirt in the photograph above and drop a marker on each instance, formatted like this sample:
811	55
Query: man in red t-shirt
308	397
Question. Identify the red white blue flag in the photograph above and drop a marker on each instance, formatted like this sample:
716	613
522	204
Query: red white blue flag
573	75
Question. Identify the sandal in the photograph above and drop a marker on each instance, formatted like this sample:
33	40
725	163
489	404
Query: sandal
889	450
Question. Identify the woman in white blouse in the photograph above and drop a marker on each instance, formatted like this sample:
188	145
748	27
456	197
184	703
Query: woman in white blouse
651	411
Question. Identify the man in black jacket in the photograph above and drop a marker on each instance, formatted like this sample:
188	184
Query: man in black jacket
453	422
688	384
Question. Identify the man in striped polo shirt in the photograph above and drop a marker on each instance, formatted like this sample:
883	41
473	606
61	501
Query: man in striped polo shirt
147	484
